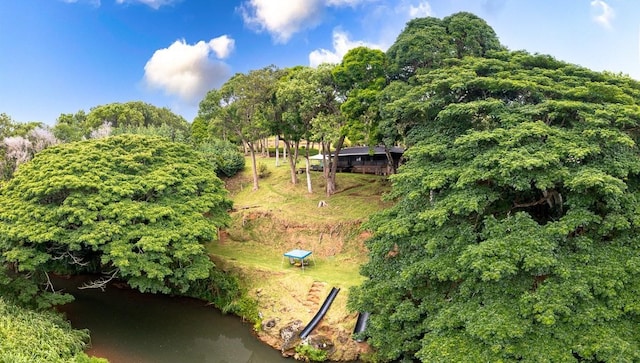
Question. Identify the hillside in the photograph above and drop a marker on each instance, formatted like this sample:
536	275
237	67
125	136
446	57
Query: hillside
281	216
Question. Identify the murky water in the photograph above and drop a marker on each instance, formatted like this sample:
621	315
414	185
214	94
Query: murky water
129	327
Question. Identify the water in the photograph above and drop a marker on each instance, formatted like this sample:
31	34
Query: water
129	327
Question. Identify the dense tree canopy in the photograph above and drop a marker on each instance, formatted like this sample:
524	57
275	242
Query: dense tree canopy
128	117
515	235
426	42
139	208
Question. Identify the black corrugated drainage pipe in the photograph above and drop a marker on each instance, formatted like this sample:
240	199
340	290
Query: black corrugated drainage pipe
320	314
361	323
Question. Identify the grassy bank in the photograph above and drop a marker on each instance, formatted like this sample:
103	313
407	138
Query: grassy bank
281	216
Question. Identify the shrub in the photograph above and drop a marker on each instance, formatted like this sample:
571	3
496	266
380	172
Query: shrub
224	156
311	354
29	336
263	170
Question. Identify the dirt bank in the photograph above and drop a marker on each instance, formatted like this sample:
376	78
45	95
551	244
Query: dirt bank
288	297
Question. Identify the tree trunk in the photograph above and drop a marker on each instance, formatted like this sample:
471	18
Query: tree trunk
266	147
277	151
326	150
307	170
292	162
391	165
253	165
331	180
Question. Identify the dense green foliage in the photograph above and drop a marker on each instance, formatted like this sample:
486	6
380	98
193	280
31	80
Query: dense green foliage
311	354
426	42
224	157
27	336
139	208
514	236
164	130
129	117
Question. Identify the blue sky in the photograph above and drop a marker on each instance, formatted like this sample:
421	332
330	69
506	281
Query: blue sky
61	56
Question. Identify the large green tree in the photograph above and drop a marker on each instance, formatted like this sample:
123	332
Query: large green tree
134	207
243	106
515	233
425	43
71	127
294	93
136	114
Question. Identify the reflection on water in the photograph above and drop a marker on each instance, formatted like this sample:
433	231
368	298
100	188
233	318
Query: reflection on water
130	327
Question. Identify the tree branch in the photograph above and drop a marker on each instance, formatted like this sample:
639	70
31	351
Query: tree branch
100	283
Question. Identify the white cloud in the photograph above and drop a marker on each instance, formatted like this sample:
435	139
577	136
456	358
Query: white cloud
384	22
603	13
188	71
155	4
222	46
341	45
421	10
281	18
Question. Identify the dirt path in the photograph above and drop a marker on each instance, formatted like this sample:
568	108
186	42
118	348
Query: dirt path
314	297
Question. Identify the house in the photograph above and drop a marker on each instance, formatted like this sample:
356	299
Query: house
362	159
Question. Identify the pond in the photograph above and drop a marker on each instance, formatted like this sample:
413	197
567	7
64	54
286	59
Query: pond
130	327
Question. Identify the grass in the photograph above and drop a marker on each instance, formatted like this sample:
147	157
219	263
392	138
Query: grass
340	270
358	195
280	216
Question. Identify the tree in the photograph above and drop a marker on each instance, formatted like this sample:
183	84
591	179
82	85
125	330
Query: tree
163	130
362	78
425	43
291	124
514	236
328	122
301	97
200	132
224	157
71	127
471	35
133	207
17	150
242	107
7	125
136	114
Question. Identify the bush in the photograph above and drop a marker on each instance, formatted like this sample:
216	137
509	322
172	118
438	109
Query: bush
224	156
311	354
29	336
263	170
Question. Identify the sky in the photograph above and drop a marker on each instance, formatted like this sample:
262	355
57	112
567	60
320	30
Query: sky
62	56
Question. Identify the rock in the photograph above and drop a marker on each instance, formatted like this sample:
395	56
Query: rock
322	342
290	334
266	325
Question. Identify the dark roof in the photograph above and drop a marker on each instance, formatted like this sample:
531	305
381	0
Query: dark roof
366	150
